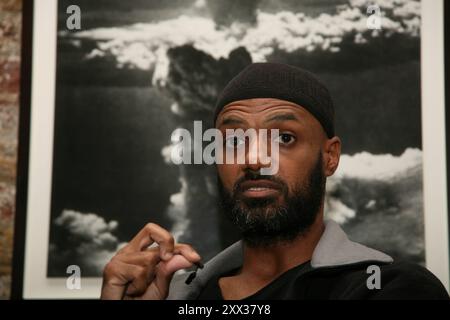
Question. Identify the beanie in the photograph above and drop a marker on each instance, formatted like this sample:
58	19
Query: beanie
284	82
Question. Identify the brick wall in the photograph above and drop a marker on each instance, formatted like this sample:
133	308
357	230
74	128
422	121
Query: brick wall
10	29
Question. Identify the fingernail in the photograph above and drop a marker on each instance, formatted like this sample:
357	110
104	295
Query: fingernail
197	256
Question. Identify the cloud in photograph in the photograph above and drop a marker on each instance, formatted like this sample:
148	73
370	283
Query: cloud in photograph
84	239
145	45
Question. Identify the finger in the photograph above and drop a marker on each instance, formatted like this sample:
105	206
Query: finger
160	275
179	248
178	262
142	278
116	276
165	271
148	235
187	251
148	259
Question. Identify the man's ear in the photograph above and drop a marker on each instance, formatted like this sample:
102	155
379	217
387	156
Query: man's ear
332	153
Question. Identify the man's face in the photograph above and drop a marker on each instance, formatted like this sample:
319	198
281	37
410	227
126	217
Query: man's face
273	208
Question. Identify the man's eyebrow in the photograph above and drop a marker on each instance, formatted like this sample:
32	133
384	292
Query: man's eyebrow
230	120
282	117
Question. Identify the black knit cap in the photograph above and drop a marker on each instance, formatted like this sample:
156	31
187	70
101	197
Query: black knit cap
284	82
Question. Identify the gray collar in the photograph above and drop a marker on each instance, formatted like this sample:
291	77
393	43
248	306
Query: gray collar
333	249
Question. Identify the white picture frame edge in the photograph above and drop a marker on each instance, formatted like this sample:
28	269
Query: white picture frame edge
434	140
36	285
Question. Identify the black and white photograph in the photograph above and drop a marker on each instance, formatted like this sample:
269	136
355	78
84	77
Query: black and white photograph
138	70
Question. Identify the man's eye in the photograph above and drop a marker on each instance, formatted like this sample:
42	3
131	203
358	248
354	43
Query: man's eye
285	138
234	141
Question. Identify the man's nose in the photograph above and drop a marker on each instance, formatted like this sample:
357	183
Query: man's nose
257	154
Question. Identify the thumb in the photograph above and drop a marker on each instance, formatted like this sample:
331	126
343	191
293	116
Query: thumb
166	269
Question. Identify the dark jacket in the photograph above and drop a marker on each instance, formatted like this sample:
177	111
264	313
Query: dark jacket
338	270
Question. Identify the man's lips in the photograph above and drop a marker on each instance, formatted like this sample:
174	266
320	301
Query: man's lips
259	188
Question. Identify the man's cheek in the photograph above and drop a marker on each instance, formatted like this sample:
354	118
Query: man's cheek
221	173
228	175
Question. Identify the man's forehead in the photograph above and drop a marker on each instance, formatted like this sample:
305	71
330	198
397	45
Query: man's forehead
260	107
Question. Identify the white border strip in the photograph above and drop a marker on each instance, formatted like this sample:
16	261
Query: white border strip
433	137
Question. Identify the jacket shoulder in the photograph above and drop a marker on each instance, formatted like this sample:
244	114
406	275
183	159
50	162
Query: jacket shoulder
406	280
393	281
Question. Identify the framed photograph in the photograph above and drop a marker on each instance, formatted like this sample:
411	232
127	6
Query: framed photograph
106	83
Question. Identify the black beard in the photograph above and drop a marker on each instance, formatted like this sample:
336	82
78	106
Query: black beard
263	222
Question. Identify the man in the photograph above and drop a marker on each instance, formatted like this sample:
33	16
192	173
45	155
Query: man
287	250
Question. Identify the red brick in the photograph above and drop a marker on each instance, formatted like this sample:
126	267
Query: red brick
9	76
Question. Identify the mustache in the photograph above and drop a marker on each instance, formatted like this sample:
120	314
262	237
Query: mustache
255	175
